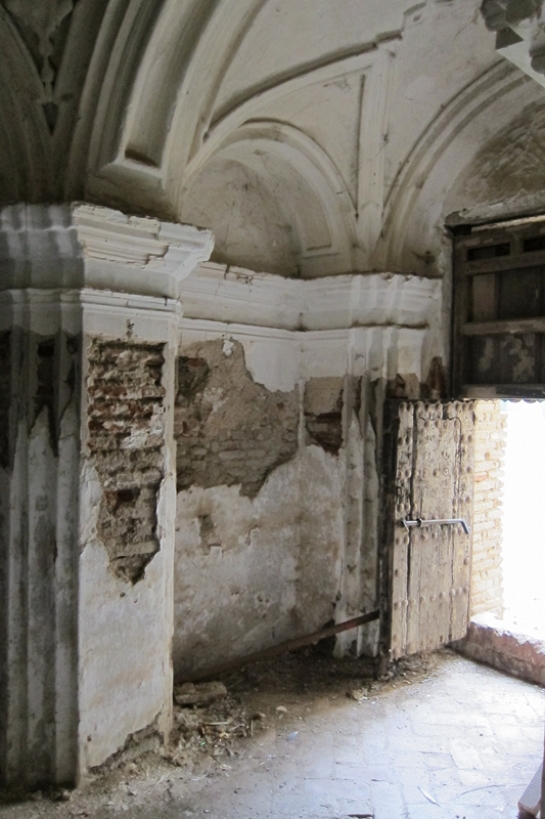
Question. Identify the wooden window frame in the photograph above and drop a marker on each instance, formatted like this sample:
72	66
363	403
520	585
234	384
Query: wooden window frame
480	250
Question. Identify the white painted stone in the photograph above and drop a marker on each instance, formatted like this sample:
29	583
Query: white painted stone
275	572
89	661
222	293
315	520
310	155
321	140
78	246
294	329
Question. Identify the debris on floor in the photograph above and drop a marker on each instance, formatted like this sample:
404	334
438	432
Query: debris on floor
357	694
211	718
199	693
431	741
208	721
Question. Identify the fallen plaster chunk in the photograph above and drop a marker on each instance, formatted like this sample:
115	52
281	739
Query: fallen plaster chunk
199	693
357	694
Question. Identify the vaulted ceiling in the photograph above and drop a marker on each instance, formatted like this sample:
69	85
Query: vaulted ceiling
314	137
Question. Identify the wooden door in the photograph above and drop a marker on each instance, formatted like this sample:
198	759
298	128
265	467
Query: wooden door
428	475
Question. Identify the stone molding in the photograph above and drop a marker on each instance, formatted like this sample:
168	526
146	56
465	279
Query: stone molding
230	294
280	359
85	246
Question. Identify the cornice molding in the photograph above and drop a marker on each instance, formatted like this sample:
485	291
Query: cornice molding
232	295
84	246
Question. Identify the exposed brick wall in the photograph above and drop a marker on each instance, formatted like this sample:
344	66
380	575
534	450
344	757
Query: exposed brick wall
486	576
323	406
488	642
125	439
229	430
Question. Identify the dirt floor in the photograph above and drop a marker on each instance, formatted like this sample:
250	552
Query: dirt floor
308	736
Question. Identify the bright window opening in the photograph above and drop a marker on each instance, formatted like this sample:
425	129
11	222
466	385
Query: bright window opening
523	542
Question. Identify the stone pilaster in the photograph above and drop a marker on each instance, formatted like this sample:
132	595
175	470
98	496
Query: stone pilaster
89	318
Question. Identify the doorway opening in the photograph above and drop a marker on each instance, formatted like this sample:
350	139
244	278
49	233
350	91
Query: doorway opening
508	561
523	540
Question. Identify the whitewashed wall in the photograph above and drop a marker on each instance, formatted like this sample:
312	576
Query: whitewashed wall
303	551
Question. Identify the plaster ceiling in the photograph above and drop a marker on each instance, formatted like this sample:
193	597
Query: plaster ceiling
314	138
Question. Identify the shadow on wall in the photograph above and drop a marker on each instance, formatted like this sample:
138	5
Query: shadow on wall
506	176
260	523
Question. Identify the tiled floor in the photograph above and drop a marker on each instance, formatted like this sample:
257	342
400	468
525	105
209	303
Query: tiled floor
462	742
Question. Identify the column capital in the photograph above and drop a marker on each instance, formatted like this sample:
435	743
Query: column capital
73	246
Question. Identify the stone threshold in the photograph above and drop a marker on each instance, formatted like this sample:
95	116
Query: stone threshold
499	644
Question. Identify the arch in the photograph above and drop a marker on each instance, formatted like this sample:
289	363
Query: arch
167	62
506	177
305	185
414	218
154	116
25	143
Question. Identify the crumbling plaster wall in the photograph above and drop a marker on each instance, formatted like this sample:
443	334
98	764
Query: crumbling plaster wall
82	577
88	483
127	506
260	512
276	529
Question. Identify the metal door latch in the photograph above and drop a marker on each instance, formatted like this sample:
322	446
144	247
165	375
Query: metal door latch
447	521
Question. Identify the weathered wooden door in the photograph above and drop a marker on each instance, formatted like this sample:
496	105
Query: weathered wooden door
428	476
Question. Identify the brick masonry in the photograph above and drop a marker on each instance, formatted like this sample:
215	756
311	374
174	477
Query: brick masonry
486	576
323	409
488	639
229	430
489	642
125	440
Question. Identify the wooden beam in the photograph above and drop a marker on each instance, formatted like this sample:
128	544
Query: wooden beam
494	391
508	326
500	263
288	645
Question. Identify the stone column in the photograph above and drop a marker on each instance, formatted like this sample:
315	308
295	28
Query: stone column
89	317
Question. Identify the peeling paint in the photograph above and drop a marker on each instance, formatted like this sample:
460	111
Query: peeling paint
272	562
285	559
